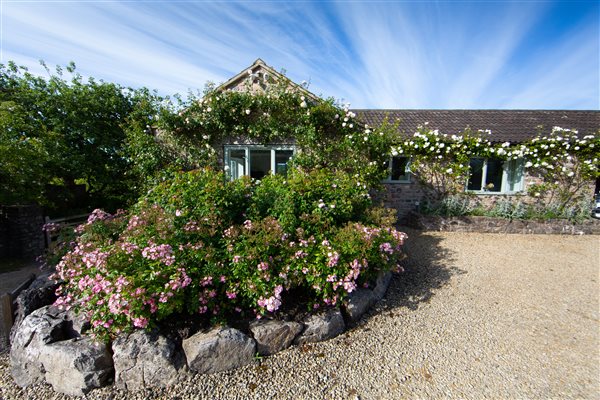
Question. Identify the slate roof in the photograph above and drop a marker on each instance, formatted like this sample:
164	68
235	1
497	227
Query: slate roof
506	125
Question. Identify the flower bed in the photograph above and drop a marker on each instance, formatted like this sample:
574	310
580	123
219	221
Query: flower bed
201	245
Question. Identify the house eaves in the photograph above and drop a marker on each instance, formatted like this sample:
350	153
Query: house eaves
259	71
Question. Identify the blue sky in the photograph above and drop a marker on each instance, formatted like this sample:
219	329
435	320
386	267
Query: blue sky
377	54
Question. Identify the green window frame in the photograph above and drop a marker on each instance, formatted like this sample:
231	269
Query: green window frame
398	170
494	176
256	161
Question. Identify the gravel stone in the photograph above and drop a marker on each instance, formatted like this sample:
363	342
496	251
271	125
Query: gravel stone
474	316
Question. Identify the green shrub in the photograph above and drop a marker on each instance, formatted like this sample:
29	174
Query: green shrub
199	244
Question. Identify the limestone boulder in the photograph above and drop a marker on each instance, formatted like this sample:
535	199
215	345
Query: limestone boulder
274	336
322	326
358	303
219	349
382	284
39	294
146	360
77	324
76	366
42	327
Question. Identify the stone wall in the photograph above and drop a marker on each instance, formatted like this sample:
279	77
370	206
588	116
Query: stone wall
406	197
21	233
403	197
499	225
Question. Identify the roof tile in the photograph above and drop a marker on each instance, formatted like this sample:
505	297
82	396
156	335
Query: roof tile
506	125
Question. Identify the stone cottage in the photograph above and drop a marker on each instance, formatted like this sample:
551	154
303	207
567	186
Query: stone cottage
402	192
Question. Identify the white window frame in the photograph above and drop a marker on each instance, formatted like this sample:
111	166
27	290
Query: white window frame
506	165
247	158
407	172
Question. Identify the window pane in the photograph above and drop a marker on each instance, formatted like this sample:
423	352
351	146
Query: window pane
398	170
515	175
237	163
475	174
281	160
260	163
493	176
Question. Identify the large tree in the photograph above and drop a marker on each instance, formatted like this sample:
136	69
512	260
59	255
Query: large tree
64	130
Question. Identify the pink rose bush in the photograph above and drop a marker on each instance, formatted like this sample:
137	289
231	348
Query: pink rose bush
199	244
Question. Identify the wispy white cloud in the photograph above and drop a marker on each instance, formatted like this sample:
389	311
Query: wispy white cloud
560	76
376	54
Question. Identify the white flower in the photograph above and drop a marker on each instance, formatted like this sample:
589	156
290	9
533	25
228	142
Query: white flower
303	104
247	112
449	171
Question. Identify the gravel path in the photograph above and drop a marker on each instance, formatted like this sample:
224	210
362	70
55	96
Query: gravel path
473	316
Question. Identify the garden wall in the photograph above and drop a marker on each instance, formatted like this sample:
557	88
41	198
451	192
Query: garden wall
499	225
21	233
403	197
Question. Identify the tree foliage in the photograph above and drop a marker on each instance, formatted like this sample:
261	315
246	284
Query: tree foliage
60	131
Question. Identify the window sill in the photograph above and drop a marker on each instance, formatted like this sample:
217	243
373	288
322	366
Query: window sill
486	193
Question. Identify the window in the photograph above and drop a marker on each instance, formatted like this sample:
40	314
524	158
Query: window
495	176
256	161
398	168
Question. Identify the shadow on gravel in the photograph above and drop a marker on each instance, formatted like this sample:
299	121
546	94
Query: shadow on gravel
428	266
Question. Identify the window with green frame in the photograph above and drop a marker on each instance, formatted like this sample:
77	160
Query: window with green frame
256	161
488	175
399	170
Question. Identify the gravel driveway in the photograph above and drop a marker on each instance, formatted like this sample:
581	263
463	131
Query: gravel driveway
473	316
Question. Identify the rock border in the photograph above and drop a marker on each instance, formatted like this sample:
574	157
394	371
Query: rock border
469	223
49	346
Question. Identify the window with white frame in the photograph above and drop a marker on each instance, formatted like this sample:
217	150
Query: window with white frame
488	175
256	161
398	170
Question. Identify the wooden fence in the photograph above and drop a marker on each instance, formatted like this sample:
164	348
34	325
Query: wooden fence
73	221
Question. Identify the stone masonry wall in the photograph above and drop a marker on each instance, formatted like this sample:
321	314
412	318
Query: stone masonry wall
21	233
499	225
403	197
